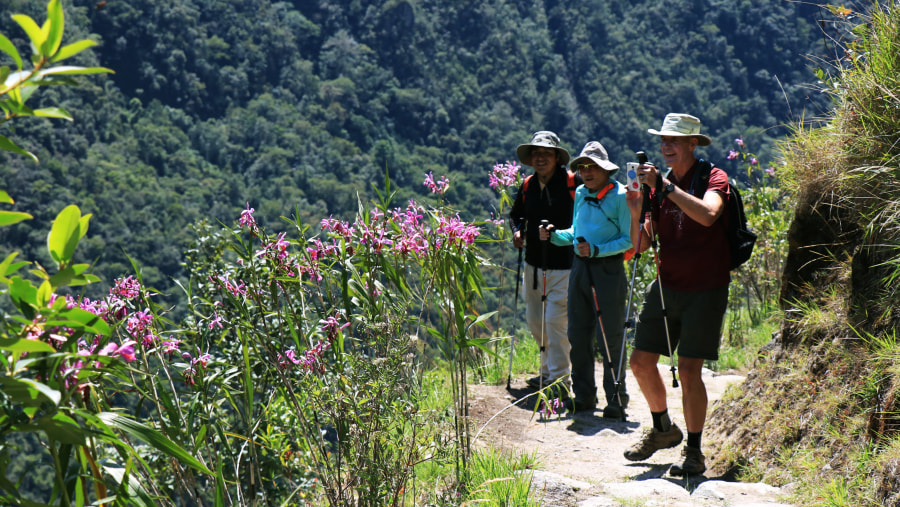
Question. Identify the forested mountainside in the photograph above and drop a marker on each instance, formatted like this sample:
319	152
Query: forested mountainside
298	106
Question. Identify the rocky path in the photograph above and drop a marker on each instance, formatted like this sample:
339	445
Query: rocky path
581	455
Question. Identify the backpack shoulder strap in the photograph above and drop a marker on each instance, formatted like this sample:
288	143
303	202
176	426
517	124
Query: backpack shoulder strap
701	178
570	181
526	182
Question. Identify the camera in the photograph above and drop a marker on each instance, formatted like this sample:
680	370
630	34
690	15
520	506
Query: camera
632	183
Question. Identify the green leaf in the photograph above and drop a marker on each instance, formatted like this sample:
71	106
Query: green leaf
28	392
31	28
137	493
72	49
62	428
13	217
54	24
6	144
152	437
7	267
64	234
7	47
65	70
23	295
21	345
78	318
5	198
44	292
53	112
72	276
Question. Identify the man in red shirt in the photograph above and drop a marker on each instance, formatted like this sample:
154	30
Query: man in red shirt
685	306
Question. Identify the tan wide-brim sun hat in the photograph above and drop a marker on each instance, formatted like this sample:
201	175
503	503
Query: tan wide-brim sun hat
543	139
685	125
594	152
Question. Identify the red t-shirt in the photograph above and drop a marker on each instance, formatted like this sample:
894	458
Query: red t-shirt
692	257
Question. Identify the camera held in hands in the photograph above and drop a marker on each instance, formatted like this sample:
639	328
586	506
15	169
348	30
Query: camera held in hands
631	176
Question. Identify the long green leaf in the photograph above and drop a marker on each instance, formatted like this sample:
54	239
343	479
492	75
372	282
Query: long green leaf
6	144
64	70
31	28
137	493
28	392
55	24
72	49
13	217
7	267
21	345
53	112
5	198
152	437
62	428
78	318
7	47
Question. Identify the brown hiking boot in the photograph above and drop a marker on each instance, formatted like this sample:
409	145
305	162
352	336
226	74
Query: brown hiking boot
692	462
652	441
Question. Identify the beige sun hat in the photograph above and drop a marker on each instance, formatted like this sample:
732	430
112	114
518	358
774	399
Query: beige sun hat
543	139
594	152
679	124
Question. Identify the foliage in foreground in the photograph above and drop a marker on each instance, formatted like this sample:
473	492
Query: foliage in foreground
822	404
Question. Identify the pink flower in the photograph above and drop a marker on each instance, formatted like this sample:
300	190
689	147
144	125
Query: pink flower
753	161
732	155
770	170
126	288
740	142
170	347
438	187
216	321
247	219
504	175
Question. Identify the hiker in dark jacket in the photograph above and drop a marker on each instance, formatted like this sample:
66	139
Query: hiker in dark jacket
545	195
693	279
601	235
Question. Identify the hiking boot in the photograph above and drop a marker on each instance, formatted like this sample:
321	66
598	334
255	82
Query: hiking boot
535	382
580	404
613	412
623	397
653	440
692	462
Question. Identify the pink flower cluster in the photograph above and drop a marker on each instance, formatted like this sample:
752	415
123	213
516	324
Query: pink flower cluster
113	309
454	232
437	187
247	220
311	360
504	175
197	364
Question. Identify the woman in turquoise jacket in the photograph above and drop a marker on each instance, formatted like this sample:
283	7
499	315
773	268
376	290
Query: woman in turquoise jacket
601	235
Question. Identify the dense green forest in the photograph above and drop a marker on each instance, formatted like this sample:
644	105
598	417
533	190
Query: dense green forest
299	106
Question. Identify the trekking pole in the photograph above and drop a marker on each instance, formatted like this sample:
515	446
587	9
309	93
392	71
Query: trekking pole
662	299
512	343
645	208
608	358
543	347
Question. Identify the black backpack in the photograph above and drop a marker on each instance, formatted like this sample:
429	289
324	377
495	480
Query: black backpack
740	239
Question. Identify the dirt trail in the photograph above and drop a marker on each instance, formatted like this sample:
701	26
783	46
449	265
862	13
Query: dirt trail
583	446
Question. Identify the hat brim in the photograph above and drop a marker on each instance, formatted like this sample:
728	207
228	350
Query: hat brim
523	153
604	164
702	140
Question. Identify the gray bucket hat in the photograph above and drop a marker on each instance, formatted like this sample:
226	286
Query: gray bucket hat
594	152
678	124
543	139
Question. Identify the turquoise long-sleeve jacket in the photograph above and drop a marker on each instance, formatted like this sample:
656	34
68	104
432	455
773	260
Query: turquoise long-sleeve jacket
604	223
